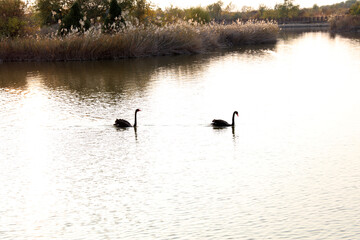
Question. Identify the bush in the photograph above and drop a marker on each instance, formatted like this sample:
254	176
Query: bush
12	16
74	21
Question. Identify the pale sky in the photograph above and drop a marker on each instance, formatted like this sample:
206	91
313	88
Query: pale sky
240	3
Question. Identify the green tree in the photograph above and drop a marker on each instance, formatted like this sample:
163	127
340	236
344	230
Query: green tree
287	9
355	9
12	14
173	14
51	11
315	7
48	11
246	12
197	14
74	20
140	10
94	9
114	20
215	10
261	11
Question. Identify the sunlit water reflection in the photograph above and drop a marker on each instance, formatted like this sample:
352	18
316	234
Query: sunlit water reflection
290	169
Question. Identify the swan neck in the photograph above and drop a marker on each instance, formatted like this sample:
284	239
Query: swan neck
135	119
233	120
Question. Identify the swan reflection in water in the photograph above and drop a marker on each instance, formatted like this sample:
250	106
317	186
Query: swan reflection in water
135	130
216	123
221	124
123	124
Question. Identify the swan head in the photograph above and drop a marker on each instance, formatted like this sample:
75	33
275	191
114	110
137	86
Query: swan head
236	113
137	110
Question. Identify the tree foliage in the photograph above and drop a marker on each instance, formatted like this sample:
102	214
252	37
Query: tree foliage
49	12
113	14
355	9
287	9
215	10
141	10
114	21
12	18
197	14
171	15
74	20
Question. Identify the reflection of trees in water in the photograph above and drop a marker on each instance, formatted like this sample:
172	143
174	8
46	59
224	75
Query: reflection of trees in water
294	33
11	76
350	35
84	77
113	77
103	76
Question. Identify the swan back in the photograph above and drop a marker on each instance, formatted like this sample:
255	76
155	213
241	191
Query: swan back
122	123
220	123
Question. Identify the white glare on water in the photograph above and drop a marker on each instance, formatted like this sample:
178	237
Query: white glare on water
289	169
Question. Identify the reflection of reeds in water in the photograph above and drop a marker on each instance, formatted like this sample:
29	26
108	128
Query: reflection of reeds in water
180	38
98	75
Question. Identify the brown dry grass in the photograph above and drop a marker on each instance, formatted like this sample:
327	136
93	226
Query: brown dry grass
347	23
179	38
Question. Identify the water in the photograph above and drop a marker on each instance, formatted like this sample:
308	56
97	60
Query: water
289	170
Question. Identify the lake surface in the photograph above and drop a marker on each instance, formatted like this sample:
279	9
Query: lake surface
290	169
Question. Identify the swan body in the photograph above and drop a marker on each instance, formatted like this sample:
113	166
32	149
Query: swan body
123	123
222	123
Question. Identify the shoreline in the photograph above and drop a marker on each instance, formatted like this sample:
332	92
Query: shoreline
304	25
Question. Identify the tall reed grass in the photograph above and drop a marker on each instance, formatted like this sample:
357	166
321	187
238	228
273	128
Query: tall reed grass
178	38
348	23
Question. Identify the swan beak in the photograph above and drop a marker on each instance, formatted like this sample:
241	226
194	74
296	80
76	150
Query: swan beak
237	114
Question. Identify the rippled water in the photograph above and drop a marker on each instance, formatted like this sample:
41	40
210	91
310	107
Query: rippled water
290	169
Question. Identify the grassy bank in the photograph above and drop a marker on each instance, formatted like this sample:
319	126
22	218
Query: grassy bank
179	38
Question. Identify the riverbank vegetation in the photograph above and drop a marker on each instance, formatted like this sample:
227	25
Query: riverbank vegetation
116	30
50	16
64	30
288	9
177	38
348	23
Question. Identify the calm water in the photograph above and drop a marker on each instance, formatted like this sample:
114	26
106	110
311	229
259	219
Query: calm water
289	170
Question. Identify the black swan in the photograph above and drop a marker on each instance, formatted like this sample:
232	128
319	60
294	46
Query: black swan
222	123
123	123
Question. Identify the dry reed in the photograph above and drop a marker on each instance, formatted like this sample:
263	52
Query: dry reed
179	38
348	23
